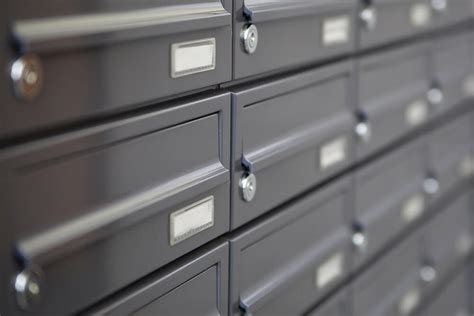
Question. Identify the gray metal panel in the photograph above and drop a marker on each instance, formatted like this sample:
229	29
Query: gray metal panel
284	264
395	20
338	304
392	95
194	285
456	11
389	196
453	300
284	40
451	69
382	287
283	128
94	198
110	57
450	155
448	238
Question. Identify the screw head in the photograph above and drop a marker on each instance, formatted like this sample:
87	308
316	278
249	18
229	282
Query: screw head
27	75
248	186
249	37
28	287
368	16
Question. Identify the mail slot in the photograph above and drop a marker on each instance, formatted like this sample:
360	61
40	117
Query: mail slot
287	262
452	66
448	240
273	35
193	286
393	100
97	201
389	197
384	21
392	285
290	134
451	158
454	299
76	60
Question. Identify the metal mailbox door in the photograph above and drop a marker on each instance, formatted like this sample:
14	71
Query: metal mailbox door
289	135
274	35
191	286
285	263
392	97
94	198
389	197
81	59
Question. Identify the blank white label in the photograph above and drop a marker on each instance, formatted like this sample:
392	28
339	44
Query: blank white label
191	220
468	86
330	270
333	153
463	244
466	166
336	30
409	302
413	208
420	14
416	113
192	57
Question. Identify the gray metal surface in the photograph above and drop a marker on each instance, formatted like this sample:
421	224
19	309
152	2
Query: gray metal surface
392	95
194	285
291	133
381	289
110	57
268	279
338	305
94	199
395	20
284	40
389	197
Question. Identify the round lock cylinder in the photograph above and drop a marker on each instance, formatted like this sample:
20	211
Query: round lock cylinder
27	77
29	288
428	273
248	186
359	238
435	96
431	185
439	6
368	16
249	37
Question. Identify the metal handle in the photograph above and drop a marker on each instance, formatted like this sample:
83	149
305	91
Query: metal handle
368	16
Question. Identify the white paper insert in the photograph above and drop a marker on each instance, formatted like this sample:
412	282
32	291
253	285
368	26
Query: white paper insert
193	57
336	30
332	153
330	270
191	220
413	208
409	302
416	113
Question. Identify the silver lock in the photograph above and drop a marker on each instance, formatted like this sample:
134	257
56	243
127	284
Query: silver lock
28	287
27	77
368	16
439	6
431	185
435	96
359	240
428	273
249	38
248	186
363	131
